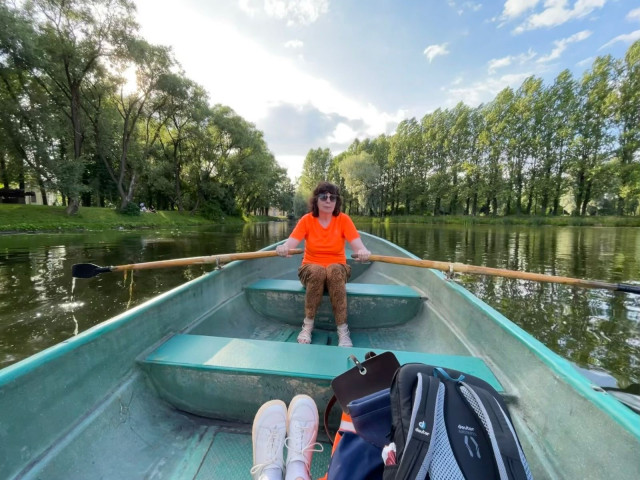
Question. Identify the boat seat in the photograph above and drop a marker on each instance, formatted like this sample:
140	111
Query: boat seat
229	378
369	305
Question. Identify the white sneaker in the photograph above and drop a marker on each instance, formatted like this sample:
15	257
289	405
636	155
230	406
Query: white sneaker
344	338
305	334
302	430
268	436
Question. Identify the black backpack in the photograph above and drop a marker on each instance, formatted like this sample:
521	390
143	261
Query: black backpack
447	424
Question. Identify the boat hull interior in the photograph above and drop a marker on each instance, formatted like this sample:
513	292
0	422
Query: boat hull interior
168	389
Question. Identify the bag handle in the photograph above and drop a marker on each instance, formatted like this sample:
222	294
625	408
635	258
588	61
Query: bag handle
334	399
327	411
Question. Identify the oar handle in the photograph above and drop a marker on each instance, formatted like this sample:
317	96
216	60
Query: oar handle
451	267
217	259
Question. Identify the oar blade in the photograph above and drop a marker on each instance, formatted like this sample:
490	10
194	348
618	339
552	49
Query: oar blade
629	396
625	287
87	270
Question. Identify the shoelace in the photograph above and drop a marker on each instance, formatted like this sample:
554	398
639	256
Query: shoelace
312	447
273	460
344	336
305	334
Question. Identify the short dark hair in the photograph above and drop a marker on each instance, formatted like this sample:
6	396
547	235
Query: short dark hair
325	187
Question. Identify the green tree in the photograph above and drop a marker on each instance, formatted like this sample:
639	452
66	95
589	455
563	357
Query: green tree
557	130
315	168
592	141
188	109
73	38
406	153
472	163
141	113
361	174
29	123
459	147
494	138
627	123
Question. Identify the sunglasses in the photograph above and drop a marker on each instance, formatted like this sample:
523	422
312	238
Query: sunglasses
328	196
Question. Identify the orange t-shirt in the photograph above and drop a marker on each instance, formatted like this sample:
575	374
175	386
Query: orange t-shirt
324	246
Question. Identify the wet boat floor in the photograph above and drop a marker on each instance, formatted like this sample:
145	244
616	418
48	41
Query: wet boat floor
226	452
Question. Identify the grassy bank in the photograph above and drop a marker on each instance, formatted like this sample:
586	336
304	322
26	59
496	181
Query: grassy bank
510	220
36	218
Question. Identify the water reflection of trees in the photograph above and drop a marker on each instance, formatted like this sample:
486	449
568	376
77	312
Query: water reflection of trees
593	328
36	305
596	329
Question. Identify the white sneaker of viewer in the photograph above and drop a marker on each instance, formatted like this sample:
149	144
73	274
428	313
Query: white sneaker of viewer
271	425
302	430
268	436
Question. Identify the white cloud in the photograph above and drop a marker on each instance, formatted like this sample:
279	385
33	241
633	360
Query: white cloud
515	8
485	91
464	6
585	62
497	63
293	164
342	134
557	12
236	85
303	12
294	44
247	7
432	51
562	44
625	38
521	59
229	74
634	15
474	7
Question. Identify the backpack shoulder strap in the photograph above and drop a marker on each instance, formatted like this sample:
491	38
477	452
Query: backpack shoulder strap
508	454
421	431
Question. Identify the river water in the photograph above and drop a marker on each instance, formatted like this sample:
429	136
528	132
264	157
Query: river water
599	331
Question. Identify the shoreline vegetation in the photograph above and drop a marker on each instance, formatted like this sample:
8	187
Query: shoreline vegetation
46	219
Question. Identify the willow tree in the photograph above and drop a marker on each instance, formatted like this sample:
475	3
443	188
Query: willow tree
73	38
141	111
29	122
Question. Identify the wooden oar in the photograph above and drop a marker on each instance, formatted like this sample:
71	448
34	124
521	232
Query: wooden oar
500	272
88	270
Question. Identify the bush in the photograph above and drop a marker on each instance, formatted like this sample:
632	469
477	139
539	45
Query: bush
211	211
131	210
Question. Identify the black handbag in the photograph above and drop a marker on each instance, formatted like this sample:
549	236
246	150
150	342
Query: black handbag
365	378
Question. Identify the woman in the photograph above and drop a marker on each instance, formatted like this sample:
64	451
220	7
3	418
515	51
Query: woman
325	230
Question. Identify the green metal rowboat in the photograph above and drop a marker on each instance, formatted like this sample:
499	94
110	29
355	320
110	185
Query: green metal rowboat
168	389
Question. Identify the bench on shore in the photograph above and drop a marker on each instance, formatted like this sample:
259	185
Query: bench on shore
14	195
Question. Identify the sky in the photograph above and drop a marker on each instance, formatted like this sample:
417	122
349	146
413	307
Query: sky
321	73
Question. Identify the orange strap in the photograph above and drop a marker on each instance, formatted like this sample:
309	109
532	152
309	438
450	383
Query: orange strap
346	425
